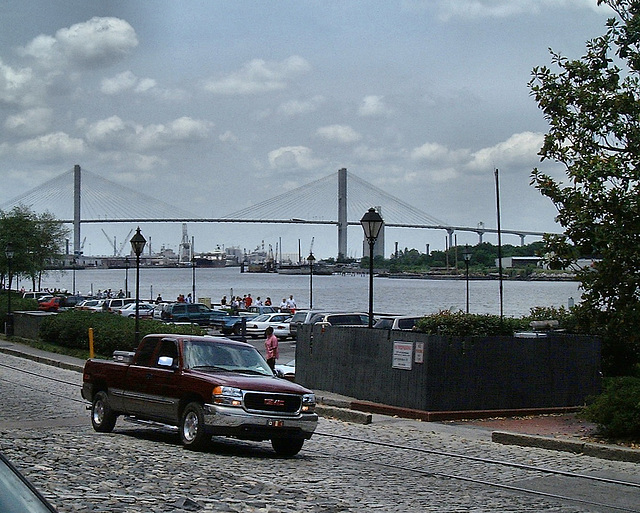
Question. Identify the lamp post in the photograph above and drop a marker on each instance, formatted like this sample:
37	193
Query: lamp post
126	276
9	252
193	279
371	224
311	259
466	254
137	244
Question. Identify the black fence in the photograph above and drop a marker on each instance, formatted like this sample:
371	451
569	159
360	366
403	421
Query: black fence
433	373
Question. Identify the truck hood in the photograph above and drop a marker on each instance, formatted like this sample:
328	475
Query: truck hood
250	382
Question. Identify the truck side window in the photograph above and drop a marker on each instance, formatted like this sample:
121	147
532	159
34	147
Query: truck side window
145	352
168	348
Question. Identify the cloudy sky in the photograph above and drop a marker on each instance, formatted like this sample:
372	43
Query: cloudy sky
216	106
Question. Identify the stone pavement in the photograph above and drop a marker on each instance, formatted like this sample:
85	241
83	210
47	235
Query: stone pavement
561	431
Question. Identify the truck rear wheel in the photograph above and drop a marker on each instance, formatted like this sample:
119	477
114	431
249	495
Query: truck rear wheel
287	446
192	430
102	418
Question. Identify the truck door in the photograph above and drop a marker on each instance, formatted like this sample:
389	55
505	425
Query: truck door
162	386
135	393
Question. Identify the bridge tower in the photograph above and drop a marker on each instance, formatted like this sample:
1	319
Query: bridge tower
342	213
76	211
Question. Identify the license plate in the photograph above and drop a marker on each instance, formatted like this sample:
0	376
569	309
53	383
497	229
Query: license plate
276	423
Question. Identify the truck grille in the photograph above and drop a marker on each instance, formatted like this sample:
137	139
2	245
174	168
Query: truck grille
274	404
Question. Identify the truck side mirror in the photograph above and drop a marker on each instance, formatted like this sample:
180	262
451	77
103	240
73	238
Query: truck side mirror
165	361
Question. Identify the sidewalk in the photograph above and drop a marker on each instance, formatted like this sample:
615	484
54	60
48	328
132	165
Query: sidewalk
561	431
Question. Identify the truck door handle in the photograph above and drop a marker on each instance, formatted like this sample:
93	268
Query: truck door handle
149	376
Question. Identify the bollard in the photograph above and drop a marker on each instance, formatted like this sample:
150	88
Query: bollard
91	355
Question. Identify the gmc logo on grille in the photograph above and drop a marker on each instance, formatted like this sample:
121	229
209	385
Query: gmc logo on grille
274	402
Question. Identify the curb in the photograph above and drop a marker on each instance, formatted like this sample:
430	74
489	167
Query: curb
606	452
54	361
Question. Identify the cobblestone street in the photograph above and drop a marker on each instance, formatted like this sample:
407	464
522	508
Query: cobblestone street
46	432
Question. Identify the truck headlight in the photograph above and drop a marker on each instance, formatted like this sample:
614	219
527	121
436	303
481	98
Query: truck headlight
308	403
228	396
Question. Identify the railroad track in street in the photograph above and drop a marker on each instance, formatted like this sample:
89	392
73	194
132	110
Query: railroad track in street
414	456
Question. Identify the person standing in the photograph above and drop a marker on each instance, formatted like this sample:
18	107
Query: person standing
271	347
291	304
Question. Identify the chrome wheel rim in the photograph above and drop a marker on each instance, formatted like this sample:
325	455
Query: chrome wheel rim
190	428
98	412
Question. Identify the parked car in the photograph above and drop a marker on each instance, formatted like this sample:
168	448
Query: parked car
17	494
278	321
159	310
302	317
89	304
287	370
35	295
401	322
198	313
55	303
114	304
341	319
145	310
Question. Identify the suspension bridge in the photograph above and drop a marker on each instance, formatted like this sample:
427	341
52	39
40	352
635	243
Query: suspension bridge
82	197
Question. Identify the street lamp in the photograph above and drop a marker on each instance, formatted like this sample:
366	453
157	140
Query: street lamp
371	224
466	254
311	259
193	279
9	252
137	244
126	276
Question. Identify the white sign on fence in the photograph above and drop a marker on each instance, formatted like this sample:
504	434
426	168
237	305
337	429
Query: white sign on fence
402	355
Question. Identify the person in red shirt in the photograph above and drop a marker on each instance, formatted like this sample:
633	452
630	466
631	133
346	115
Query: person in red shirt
271	347
248	301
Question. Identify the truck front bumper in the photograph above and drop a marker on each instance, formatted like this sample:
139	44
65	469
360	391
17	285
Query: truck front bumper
232	421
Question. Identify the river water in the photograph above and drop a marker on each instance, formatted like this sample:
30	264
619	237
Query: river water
336	292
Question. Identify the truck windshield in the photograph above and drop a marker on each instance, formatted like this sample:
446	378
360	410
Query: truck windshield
216	356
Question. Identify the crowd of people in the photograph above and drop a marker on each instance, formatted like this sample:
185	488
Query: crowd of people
247	301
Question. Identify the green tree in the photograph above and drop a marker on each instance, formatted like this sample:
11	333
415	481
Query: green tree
36	241
592	105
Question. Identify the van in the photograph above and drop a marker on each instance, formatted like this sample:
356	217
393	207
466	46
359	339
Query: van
302	317
341	319
35	295
113	305
400	322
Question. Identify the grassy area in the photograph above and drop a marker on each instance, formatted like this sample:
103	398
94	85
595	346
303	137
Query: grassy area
52	348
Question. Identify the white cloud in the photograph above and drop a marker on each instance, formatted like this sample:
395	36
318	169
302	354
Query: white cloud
51	147
339	133
482	9
519	150
373	105
435	152
126	81
293	157
94	43
299	107
30	122
259	76
15	85
113	133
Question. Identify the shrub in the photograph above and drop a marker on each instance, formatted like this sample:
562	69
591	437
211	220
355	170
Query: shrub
461	324
617	410
110	332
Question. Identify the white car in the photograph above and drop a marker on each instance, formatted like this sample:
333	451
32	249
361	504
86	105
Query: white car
287	370
145	310
278	321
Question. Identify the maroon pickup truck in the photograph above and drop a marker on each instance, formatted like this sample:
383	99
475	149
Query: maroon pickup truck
204	385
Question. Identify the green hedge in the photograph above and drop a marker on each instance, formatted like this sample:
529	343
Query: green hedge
617	410
110	332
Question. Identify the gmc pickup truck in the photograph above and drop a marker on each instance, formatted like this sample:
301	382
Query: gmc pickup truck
205	386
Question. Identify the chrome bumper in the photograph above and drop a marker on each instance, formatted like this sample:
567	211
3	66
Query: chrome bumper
226	419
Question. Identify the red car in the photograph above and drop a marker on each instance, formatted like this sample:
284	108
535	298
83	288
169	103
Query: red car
51	305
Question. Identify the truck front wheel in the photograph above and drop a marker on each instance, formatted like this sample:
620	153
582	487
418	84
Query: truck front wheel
192	430
102	418
287	446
